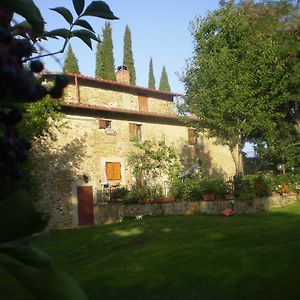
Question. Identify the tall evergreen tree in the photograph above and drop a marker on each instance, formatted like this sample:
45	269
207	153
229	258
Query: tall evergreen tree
71	62
107	54
151	82
164	81
99	60
128	56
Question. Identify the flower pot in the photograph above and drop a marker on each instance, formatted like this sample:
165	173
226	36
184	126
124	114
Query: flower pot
164	200
147	200
209	197
229	197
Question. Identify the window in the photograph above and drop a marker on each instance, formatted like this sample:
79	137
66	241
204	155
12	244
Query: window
113	170
135	132
192	137
104	124
143	103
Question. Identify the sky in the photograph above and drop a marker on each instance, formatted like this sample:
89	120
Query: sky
159	29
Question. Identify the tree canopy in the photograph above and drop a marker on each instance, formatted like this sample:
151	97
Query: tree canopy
107	53
128	55
71	62
151	80
235	82
99	61
164	81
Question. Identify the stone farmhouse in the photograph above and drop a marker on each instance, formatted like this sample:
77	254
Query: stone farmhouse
89	152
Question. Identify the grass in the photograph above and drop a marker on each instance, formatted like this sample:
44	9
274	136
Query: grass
185	257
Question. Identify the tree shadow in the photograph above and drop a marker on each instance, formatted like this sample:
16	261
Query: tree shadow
199	154
54	167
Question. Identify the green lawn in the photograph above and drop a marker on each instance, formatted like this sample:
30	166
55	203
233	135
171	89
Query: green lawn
185	257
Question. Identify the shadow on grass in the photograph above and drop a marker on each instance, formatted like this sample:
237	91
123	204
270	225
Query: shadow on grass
185	257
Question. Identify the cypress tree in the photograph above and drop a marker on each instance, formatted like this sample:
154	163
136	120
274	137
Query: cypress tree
164	82
99	60
107	54
151	82
71	62
128	56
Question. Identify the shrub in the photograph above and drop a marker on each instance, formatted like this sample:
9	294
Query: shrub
215	186
249	186
139	192
291	179
189	189
119	193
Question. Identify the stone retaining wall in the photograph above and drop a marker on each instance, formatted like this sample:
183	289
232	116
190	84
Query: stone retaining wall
115	212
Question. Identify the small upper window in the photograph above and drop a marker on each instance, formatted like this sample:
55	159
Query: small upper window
103	124
143	103
135	132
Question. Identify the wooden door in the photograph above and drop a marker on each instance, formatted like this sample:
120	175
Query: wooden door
85	205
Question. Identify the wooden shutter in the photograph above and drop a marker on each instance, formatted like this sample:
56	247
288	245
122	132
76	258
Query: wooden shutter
143	103
191	136
132	132
102	124
113	170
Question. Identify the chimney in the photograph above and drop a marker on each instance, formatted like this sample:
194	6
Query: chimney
122	75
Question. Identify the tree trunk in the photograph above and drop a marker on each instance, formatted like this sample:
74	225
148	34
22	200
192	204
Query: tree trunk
237	156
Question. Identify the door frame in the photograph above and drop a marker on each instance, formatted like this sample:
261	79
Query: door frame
74	185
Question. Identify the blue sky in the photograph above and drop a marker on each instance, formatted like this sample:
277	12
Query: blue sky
159	29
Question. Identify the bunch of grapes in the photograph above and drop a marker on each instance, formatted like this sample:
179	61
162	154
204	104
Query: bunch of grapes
19	83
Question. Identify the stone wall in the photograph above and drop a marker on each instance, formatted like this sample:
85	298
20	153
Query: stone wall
112	213
96	96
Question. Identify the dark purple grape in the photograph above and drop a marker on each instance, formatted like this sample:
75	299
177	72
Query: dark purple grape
36	66
56	92
22	47
15	116
61	81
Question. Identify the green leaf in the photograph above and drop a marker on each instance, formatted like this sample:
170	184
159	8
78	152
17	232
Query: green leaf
45	283
15	30
28	10
85	36
23	251
84	24
78	6
65	13
62	32
99	9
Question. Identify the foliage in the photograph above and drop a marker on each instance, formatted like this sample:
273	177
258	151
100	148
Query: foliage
164	81
151	81
214	185
249	186
153	160
107	54
292	181
19	84
282	19
128	56
37	117
236	79
138	192
188	189
119	193
194	187
71	62
99	61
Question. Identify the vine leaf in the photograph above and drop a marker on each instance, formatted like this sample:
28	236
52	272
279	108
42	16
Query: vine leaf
85	36
99	9
78	6
65	13
28	10
23	251
62	32
84	24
